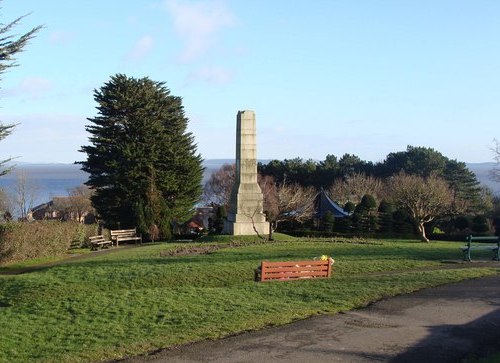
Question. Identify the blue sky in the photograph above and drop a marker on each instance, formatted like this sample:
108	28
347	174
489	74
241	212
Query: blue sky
324	77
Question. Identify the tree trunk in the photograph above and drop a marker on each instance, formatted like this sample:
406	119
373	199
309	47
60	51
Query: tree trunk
421	231
272	227
271	230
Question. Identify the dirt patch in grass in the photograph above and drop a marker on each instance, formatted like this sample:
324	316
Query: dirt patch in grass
191	250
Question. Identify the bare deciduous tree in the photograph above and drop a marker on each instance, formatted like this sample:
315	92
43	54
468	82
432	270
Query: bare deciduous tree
217	189
495	172
23	194
286	202
79	201
5	205
77	204
423	198
354	187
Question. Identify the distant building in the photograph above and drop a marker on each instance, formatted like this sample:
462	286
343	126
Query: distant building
43	211
59	209
200	222
323	203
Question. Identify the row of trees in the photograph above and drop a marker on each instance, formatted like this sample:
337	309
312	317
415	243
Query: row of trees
420	184
467	195
419	161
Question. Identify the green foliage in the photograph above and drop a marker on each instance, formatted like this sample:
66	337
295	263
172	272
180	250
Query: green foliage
368	202
22	241
385	217
142	163
133	301
328	222
365	216
311	173
421	161
349	207
344	225
10	45
402	222
424	162
467	198
220	216
461	223
465	187
480	224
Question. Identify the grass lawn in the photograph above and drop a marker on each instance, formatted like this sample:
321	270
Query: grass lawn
133	301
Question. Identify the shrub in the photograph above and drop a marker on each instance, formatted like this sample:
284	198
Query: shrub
480	224
22	241
328	222
461	223
386	220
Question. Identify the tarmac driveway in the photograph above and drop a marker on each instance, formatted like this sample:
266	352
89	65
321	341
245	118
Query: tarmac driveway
442	324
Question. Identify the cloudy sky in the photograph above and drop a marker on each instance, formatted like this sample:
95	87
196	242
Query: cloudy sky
324	77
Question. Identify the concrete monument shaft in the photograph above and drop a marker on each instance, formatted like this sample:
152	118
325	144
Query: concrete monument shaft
245	207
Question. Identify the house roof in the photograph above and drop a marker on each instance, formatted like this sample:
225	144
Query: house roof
42	206
194	224
324	203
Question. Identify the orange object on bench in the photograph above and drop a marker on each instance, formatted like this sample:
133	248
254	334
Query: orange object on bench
291	270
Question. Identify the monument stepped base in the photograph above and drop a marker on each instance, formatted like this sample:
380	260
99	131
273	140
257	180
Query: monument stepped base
246	228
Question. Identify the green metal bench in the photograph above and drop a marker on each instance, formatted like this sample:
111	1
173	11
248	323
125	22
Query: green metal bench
472	244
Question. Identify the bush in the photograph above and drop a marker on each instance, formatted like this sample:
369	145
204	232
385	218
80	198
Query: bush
23	241
461	223
480	224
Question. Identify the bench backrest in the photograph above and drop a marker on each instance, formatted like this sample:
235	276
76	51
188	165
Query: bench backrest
295	269
483	239
123	232
96	238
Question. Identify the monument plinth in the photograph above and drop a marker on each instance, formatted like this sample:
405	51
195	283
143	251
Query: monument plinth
245	215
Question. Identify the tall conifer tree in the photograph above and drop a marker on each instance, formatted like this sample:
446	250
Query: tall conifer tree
10	45
142	163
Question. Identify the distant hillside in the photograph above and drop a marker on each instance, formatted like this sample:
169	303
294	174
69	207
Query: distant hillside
482	170
57	179
212	165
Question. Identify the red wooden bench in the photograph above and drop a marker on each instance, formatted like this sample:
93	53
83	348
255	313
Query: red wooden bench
291	270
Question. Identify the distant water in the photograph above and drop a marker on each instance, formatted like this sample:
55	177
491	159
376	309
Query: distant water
48	180
54	180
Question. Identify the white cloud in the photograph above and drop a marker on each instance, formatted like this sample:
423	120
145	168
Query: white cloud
30	87
141	48
198	25
211	75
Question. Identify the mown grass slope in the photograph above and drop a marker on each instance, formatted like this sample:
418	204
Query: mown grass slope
135	300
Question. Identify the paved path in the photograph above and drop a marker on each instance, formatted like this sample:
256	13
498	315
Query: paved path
442	324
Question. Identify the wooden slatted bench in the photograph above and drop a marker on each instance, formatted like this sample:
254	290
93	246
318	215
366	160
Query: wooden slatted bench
120	235
292	270
472	244
99	241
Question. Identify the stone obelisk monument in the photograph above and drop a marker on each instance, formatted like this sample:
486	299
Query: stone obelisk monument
245	215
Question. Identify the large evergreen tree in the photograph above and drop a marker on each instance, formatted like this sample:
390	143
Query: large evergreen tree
142	163
10	45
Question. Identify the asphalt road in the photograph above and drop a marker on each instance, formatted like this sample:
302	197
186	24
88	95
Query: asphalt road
442	324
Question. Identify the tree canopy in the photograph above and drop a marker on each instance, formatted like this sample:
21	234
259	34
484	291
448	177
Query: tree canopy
424	198
143	165
10	45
